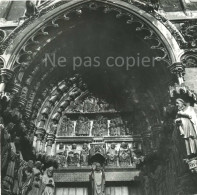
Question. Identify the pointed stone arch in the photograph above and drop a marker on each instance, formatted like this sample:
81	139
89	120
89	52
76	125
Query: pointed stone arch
14	49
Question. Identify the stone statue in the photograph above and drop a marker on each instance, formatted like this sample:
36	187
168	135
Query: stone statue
89	104
97	179
61	156
73	156
48	184
100	126
82	127
25	175
84	155
124	155
116	127
8	157
186	121
53	128
112	155
66	127
36	184
30	9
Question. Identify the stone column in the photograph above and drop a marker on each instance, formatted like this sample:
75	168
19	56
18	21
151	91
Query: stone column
50	142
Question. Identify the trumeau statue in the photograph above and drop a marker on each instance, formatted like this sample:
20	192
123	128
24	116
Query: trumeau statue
48	183
112	155
186	121
97	179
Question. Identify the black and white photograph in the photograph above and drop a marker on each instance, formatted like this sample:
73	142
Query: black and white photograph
98	97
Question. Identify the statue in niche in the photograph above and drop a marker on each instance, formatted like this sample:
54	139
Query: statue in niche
117	127
186	121
82	127
36	183
84	155
61	156
112	155
66	127
73	158
124	155
61	159
97	179
100	126
48	184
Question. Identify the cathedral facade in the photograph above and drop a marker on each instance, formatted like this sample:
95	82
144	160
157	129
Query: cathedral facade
98	97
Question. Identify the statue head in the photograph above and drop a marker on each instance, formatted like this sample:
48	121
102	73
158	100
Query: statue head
38	164
113	146
30	164
74	146
85	146
98	167
61	146
50	171
180	103
124	145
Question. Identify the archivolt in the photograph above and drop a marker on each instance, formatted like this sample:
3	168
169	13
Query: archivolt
22	46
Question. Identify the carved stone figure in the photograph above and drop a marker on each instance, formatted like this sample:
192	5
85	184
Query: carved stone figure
89	104
84	155
66	127
112	155
23	95
61	156
124	155
25	177
30	9
97	179
8	157
36	184
48	183
186	121
53	129
6	147
82	127
100	127
73	158
116	127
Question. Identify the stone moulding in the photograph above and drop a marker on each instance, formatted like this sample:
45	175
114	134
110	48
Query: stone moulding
82	174
11	47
